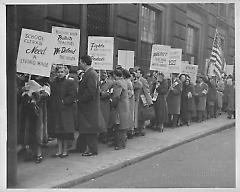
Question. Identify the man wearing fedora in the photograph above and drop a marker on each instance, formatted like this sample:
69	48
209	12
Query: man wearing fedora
201	91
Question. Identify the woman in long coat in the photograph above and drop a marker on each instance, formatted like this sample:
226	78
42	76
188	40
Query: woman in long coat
201	90
211	98
160	90
187	106
120	101
61	117
127	77
174	101
35	116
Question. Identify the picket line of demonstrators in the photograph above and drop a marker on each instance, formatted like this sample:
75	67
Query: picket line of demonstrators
111	106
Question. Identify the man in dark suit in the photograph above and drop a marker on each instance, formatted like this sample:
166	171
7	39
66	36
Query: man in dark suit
90	119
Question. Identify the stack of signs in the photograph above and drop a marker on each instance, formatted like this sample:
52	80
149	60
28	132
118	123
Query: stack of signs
66	45
160	58
100	49
126	59
35	53
175	60
190	70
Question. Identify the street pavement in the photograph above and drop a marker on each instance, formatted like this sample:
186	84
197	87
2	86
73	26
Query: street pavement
208	162
75	169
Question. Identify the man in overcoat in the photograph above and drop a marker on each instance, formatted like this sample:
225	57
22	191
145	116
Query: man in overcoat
142	99
201	90
90	119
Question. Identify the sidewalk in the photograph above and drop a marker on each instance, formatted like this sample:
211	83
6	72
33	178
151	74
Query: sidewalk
75	169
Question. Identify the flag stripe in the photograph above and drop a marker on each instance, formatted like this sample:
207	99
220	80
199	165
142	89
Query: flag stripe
217	57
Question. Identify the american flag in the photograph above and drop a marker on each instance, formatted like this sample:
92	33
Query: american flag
217	57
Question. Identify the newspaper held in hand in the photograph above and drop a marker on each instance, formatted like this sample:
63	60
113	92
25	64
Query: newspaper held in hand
31	86
189	95
144	100
155	94
204	91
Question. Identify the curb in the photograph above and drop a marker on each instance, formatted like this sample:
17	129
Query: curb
143	157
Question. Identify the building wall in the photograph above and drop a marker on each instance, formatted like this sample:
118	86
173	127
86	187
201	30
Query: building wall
123	21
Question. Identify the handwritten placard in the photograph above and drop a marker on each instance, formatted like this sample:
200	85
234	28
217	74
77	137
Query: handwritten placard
175	60
190	70
100	49
160	58
35	53
66	45
126	59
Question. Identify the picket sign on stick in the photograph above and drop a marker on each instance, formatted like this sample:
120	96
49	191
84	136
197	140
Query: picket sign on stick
175	60
160	58
66	43
35	53
100	49
190	70
126	59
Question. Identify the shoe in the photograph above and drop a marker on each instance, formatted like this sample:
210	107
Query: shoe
74	151
39	159
63	155
87	154
57	155
119	148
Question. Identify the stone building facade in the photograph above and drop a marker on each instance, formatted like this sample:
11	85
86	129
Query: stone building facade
136	27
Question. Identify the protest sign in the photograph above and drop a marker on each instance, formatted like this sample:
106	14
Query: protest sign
126	59
190	70
160	58
35	53
66	43
100	49
175	60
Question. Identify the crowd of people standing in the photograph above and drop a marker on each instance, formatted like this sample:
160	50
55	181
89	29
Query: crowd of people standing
112	106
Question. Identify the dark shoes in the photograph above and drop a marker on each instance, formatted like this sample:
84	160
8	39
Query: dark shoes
87	154
119	148
39	159
63	155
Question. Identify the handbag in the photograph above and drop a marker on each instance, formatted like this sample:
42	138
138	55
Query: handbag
148	112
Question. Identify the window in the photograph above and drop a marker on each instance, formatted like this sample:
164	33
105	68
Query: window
98	19
151	25
148	31
192	45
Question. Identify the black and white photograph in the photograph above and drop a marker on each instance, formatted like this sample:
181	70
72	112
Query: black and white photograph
120	95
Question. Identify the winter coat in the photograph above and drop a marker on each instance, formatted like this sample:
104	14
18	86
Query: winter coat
131	103
121	102
187	103
90	118
137	85
105	88
62	99
201	91
174	98
212	94
160	106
